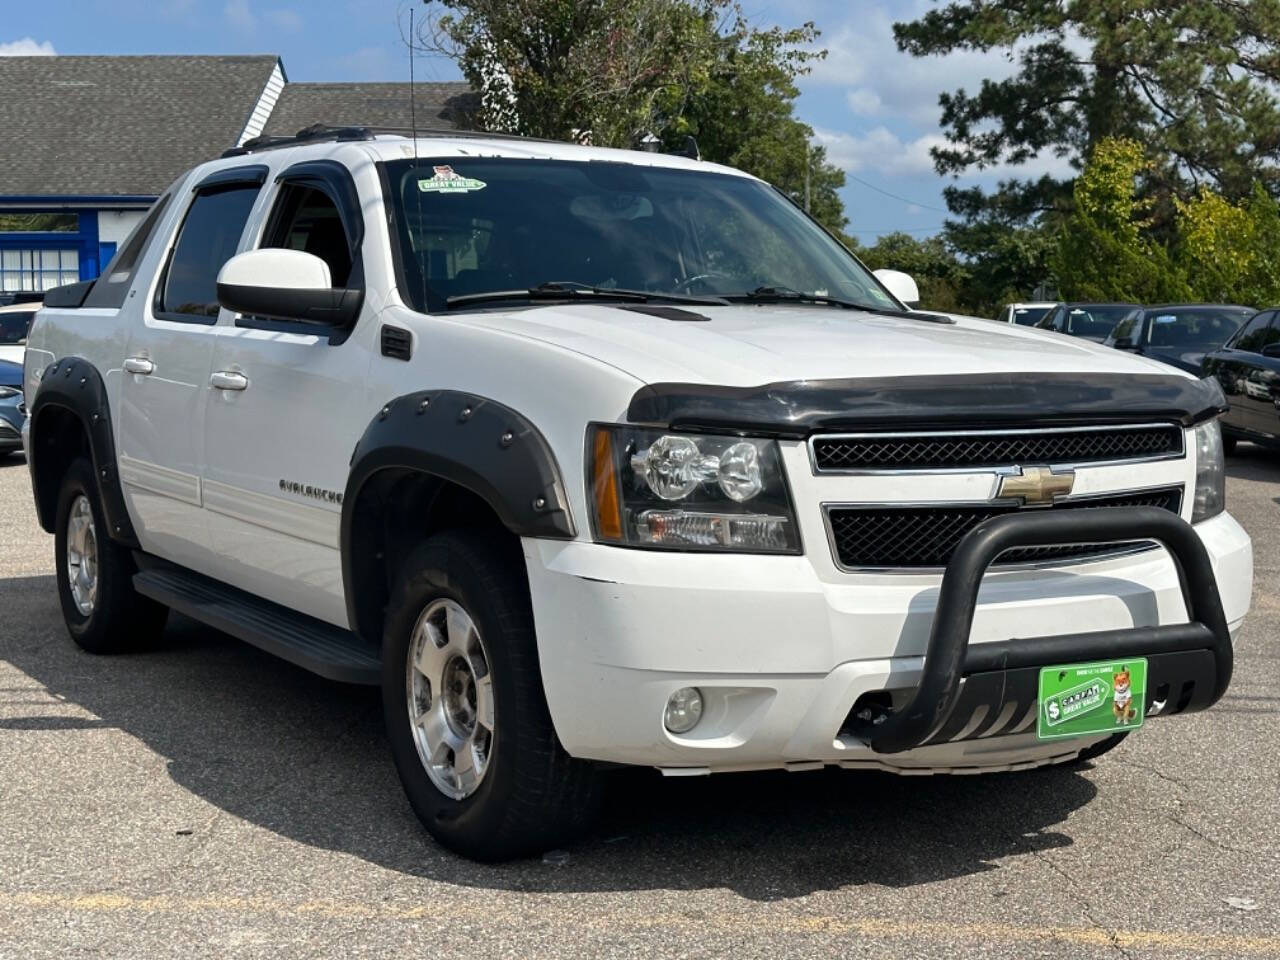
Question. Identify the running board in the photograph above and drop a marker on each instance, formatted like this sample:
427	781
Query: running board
312	644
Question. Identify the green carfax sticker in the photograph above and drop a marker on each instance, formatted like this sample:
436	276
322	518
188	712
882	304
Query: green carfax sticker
444	180
1083	698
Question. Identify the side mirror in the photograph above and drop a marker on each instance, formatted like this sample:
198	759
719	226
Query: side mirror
901	285
286	285
1272	350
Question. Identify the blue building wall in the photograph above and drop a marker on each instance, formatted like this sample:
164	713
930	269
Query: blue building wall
92	253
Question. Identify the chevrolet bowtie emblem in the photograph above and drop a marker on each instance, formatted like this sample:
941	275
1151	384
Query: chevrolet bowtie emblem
1035	486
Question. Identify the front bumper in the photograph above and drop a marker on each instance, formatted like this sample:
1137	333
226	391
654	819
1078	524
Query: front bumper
782	654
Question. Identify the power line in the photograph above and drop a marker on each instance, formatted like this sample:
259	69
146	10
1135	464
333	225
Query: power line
897	230
894	196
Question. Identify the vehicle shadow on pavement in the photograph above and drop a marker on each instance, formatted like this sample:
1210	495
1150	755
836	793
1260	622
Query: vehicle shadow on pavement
1252	462
307	759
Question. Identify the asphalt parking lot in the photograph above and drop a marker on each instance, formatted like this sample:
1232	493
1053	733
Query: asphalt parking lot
205	800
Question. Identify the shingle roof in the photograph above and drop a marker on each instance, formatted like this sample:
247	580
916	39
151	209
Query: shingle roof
107	125
369	104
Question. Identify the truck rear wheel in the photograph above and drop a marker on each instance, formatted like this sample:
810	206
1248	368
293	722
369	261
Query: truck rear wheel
103	613
466	715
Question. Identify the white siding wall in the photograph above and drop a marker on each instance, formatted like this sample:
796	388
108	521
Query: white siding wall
266	103
114	225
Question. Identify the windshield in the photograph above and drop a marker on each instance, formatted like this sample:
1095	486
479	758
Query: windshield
14	326
1029	316
469	227
1095	320
1195	330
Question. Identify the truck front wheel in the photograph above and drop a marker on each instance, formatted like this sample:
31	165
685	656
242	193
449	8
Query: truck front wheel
466	715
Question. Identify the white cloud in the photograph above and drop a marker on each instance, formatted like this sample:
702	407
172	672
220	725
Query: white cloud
881	81
239	15
880	151
864	101
27	47
883	152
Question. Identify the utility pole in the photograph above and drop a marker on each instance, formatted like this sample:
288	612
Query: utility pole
807	164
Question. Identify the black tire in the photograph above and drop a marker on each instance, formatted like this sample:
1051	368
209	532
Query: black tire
533	796
1228	444
121	619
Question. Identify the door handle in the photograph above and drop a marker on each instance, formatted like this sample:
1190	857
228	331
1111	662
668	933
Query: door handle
229	380
139	365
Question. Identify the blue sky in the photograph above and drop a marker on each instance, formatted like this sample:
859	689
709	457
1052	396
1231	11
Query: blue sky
874	108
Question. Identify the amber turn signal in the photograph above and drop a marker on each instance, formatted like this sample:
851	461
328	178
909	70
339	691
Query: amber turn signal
604	487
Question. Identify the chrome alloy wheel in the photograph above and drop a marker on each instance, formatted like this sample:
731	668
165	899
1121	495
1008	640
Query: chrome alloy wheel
82	556
450	696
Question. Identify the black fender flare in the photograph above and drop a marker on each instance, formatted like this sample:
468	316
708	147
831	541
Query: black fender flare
75	385
478	444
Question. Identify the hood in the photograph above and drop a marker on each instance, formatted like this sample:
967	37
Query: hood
745	345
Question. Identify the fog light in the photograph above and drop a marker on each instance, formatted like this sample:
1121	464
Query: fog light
684	710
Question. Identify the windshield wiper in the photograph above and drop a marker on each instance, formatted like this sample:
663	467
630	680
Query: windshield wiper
571	290
774	294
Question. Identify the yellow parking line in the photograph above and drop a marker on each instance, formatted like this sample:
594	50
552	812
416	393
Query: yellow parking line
570	912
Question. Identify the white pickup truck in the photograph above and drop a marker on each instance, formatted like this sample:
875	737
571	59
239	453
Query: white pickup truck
595	458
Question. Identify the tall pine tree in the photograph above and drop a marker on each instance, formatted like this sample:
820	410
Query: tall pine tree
1194	81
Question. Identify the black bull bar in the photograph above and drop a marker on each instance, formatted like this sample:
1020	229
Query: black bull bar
1189	664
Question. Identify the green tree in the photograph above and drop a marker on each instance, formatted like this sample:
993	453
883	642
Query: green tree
568	70
1103	250
1227	250
942	278
1193	81
1005	261
612	71
743	113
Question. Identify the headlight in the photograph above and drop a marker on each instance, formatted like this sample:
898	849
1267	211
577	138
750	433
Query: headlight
684	491
1211	481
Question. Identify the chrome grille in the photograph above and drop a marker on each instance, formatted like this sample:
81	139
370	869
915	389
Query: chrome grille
979	449
921	537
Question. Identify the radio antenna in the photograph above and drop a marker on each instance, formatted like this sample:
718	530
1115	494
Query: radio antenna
423	260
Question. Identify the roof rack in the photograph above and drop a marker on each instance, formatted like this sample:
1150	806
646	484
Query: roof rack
318	132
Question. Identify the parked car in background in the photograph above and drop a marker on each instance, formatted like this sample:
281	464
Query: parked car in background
15	320
1179	334
12	412
1248	369
1089	321
1025	314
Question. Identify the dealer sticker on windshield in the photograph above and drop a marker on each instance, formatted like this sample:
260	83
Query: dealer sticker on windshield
444	180
1084	698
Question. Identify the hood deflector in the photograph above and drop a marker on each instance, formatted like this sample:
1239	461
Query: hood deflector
799	408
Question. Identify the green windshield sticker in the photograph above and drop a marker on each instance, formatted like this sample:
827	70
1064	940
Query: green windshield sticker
1086	698
444	180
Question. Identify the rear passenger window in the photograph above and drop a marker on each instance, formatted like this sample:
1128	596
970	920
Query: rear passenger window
208	238
112	287
308	220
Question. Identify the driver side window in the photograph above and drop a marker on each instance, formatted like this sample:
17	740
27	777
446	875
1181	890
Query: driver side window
307	219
